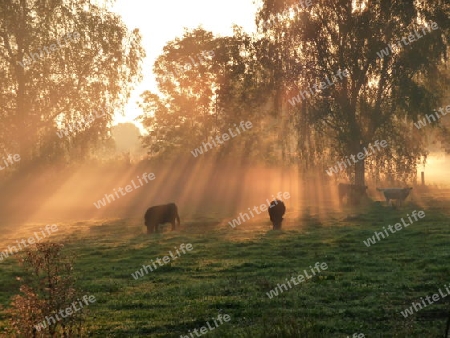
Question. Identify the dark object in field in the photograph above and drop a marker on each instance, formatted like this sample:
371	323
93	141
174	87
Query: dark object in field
399	194
276	212
160	214
353	192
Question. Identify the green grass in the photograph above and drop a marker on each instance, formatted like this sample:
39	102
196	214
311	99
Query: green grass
230	270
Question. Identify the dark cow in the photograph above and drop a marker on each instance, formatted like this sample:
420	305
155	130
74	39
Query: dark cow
160	214
399	194
352	192
276	212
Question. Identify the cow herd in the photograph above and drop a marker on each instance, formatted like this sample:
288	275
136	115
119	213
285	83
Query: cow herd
350	193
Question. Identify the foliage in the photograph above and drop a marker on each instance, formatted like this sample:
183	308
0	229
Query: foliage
201	100
296	47
380	93
59	62
47	288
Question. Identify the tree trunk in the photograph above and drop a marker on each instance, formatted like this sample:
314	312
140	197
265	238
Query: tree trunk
21	103
360	167
359	173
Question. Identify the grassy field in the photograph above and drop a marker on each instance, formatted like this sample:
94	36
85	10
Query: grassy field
229	271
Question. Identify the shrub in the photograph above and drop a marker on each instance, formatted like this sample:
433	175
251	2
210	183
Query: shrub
47	288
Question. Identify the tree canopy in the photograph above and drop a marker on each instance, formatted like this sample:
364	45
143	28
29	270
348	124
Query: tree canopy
62	61
331	78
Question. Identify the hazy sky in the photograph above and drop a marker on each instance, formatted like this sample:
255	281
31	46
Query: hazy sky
164	20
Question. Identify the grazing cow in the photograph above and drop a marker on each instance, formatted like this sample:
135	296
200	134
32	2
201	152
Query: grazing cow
399	194
352	192
276	212
160	214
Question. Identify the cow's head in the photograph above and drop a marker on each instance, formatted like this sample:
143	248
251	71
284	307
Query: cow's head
277	223
406	191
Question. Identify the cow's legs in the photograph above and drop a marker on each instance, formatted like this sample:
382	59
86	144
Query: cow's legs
276	226
173	224
151	228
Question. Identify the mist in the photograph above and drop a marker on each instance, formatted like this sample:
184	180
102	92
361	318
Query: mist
205	189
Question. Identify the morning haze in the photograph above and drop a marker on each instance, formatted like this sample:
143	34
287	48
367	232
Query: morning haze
224	168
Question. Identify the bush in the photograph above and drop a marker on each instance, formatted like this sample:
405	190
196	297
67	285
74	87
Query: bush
47	289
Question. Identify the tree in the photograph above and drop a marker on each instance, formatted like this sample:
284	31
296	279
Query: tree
382	94
127	139
60	61
183	117
207	85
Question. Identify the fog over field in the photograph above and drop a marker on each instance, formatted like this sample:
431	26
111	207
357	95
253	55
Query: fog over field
203	189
